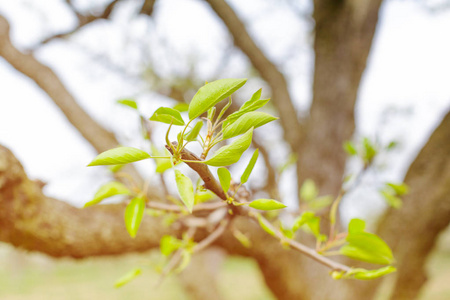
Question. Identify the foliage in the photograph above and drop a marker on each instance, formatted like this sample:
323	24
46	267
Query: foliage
356	243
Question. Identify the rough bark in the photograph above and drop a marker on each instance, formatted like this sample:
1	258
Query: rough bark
343	38
412	231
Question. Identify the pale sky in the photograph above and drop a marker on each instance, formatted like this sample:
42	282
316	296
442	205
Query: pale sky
408	72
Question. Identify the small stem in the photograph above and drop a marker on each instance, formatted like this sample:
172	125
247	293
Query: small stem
176	208
213	236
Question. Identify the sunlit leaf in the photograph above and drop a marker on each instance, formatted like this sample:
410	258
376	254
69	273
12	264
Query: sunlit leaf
167	115
128	102
242	238
350	148
308	191
312	223
367	247
108	190
391	199
128	277
363	274
181	107
266	204
211	94
193	133
231	154
120	155
168	244
250	166
244	123
185	189
399	188
370	150
133	215
265	225
356	225
224	178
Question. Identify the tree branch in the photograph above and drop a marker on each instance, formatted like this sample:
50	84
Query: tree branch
46	79
268	71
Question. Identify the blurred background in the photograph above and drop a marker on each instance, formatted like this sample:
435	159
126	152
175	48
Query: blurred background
160	53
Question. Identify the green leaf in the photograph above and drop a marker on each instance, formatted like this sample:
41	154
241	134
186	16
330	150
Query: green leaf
248	106
211	94
242	238
133	215
128	102
312	222
203	196
224	109
363	274
181	107
266	204
108	190
224	178
367	247
356	225
399	189
245	122
115	168
120	155
308	191
392	200
185	190
320	202
350	148
250	166
167	115
162	164
128	277
230	154
265	225
369	150
168	244
186	257
193	133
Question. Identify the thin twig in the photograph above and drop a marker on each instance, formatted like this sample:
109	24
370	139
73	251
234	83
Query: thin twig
176	208
213	236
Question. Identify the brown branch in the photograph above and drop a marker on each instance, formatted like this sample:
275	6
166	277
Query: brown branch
271	185
268	71
203	171
83	20
209	206
49	82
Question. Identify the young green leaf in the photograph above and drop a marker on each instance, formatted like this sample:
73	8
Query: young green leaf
108	190
128	102
186	257
167	115
120	155
370	151
367	247
168	244
133	215
162	164
127	277
308	191
350	148
320	202
356	225
399	189
245	122
231	154
181	107
250	166
363	274
211	94
265	226
266	204
193	133
391	199
185	190
224	178
242	238
311	220
224	109
115	168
